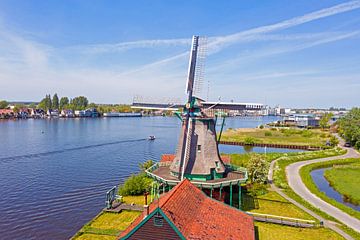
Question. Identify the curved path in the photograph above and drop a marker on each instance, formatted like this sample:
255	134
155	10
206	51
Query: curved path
295	182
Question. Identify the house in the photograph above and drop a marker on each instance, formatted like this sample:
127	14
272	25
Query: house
187	213
53	113
90	112
68	113
37	113
302	120
24	113
6	113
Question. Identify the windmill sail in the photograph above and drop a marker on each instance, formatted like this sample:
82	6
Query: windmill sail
196	67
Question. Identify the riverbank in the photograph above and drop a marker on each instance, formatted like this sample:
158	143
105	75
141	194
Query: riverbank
346	180
310	184
281	137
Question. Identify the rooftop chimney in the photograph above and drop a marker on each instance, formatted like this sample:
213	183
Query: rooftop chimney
146	211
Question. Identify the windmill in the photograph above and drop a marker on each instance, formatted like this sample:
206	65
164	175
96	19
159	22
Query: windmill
197	157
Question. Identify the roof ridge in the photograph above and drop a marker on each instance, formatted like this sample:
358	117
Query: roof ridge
171	193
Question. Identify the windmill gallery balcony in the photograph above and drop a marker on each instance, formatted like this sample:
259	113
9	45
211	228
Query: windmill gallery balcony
221	189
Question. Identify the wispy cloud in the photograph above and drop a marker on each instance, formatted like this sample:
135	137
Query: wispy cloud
218	43
272	51
326	12
124	46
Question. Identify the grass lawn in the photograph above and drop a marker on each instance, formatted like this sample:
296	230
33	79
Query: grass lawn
118	221
89	236
346	180
315	138
241	160
268	231
107	225
274	204
140	200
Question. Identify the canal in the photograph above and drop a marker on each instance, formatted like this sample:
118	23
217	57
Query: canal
324	186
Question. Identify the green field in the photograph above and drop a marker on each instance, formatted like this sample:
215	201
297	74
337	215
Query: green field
106	225
274	204
268	231
90	236
301	137
346	180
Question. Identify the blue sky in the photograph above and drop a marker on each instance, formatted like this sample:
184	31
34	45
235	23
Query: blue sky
296	54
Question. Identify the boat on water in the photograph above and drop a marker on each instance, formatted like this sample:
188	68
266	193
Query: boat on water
151	137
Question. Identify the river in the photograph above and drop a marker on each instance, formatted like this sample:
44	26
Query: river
54	172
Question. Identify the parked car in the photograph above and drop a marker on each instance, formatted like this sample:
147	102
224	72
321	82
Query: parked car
347	144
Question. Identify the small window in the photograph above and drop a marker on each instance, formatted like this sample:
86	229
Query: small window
217	164
158	221
199	148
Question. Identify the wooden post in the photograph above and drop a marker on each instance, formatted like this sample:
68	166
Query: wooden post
146	194
231	195
220	191
239	195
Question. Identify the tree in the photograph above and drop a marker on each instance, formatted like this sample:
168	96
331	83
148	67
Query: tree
146	165
92	105
349	127
45	103
55	102
63	102
3	104
324	121
80	103
258	168
32	105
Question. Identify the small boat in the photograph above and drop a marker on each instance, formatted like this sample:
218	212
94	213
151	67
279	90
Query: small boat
151	137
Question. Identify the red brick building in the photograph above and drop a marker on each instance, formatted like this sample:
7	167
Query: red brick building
187	213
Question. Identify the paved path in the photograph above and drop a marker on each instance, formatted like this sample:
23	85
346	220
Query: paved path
295	182
328	224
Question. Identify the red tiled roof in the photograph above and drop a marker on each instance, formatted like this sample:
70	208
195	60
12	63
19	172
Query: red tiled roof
6	111
167	157
199	217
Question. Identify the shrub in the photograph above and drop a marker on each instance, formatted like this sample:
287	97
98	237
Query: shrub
258	168
146	165
135	185
334	141
249	140
261	126
268	134
306	133
257	189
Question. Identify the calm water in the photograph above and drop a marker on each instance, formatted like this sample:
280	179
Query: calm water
324	186
54	173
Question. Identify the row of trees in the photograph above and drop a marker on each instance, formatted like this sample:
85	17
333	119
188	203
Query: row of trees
349	127
77	103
